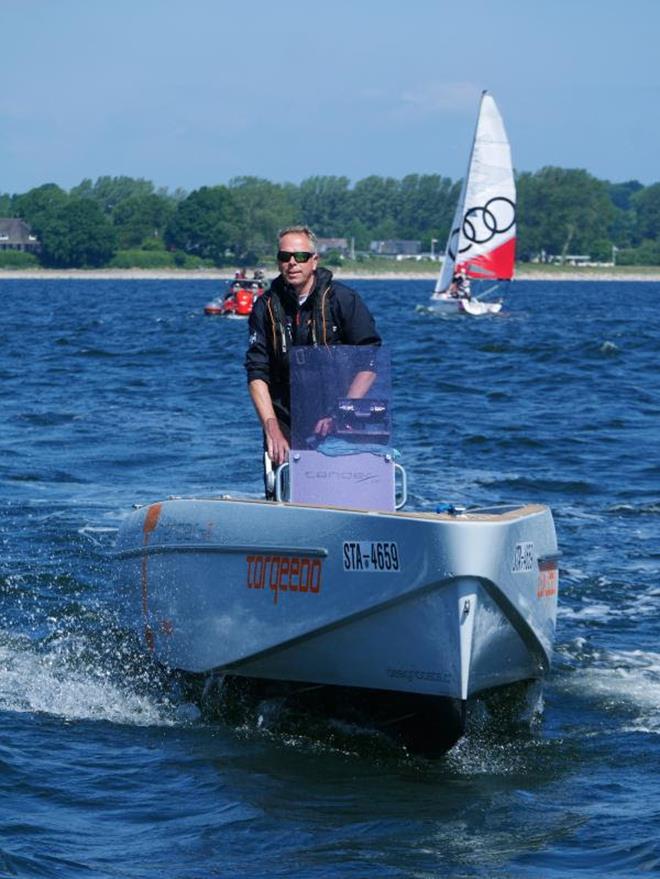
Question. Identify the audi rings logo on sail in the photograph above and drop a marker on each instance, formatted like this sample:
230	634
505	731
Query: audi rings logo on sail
481	224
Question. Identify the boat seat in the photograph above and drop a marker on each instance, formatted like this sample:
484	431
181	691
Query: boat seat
362	481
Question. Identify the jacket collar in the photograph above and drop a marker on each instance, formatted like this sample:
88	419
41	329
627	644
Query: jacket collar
288	295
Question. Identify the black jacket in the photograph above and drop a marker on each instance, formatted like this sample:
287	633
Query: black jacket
332	314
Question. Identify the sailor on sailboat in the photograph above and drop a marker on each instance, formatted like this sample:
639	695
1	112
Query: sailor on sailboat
482	240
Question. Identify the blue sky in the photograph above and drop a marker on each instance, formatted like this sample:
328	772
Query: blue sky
194	93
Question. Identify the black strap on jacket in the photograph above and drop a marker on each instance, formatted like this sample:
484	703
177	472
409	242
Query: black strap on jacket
282	336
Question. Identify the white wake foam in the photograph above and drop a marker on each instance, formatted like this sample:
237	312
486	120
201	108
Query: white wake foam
629	680
32	681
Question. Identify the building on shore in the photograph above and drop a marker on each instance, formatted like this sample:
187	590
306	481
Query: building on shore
15	234
397	249
338	245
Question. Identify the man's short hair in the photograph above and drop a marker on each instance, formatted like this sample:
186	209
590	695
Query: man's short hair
299	230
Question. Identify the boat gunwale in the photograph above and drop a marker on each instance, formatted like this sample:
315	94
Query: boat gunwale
460	517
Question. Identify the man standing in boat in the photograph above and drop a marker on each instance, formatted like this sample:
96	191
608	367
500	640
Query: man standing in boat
304	306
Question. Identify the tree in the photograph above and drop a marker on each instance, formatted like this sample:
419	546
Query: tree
177	195
325	205
40	205
561	211
205	224
375	199
142	218
77	235
263	208
426	207
647	254
360	234
108	192
386	230
6	205
621	193
623	228
646	203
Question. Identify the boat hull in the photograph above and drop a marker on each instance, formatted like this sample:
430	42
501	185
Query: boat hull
436	605
445	304
213	308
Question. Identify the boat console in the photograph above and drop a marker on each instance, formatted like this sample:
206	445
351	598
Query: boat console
341	452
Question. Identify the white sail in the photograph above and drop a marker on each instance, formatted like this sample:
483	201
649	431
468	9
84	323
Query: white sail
482	239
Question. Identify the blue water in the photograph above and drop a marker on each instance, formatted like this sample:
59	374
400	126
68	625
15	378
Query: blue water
119	392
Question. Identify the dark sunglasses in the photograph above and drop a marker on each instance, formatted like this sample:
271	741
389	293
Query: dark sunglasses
298	255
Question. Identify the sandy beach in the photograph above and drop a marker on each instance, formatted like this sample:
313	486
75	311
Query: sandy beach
570	274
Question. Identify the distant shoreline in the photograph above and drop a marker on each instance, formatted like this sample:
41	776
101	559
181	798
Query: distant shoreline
632	274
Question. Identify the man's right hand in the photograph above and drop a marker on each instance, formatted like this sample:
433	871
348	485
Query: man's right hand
278	447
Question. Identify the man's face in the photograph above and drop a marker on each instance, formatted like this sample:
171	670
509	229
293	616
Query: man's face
298	274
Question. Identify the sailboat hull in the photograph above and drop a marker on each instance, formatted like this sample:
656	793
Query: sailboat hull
444	303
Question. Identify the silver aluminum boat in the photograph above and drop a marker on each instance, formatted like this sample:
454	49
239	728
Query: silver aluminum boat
411	613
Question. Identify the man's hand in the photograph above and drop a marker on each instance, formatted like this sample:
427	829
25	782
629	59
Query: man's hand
278	447
324	426
276	443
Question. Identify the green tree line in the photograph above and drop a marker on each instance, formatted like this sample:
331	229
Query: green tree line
123	222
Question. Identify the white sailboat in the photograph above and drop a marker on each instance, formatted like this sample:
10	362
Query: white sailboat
482	241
